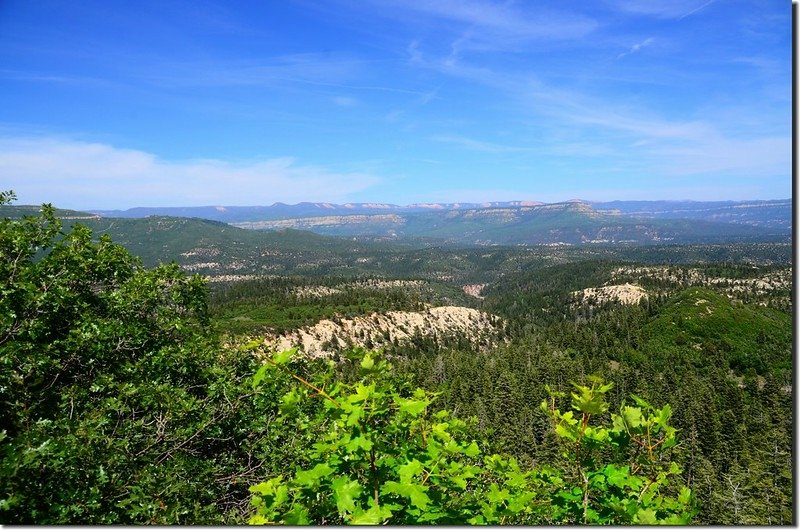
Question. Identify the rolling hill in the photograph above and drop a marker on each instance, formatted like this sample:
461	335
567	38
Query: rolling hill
701	326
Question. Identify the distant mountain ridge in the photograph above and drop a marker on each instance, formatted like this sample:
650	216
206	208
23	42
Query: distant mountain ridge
279	210
492	223
767	213
566	223
772	213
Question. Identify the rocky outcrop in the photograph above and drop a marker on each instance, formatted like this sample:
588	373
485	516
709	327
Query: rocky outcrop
626	293
393	327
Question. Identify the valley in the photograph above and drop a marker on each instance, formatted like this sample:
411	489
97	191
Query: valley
705	327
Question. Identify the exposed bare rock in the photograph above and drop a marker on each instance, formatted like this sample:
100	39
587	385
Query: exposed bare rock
315	291
734	288
199	266
378	330
234	277
474	289
202	251
386	284
321	291
626	293
305	223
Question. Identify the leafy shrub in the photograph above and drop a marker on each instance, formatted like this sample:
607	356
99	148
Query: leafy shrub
383	457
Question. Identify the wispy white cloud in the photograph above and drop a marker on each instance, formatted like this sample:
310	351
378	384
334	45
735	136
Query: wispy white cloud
648	190
478	145
506	19
547	147
52	78
764	67
677	9
459	69
695	10
484	25
477	195
652	143
93	175
299	67
561	103
422	99
324	70
636	47
669	147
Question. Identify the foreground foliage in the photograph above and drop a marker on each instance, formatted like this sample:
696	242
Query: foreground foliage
115	405
383	456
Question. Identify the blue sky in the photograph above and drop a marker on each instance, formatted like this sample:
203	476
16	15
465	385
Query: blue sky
112	104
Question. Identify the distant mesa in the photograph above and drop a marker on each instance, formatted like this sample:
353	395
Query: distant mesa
572	222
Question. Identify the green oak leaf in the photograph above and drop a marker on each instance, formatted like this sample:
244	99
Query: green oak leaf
413	492
309	477
344	493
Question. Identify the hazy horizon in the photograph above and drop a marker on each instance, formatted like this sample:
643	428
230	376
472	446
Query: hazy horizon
190	104
389	204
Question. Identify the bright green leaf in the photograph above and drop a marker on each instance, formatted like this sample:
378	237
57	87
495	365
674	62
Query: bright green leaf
268	487
284	357
367	362
472	450
409	470
259	375
411	406
414	492
645	517
297	516
372	516
344	493
311	476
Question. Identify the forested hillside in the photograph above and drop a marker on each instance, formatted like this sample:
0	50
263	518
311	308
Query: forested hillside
612	385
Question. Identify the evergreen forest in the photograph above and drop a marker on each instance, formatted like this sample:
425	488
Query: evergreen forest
635	385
